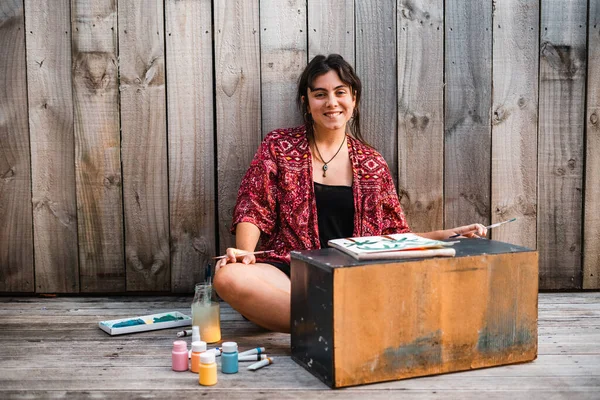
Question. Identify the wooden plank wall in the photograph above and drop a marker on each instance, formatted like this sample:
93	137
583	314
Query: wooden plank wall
325	37
563	65
191	134
238	101
421	112
51	132
126	127
376	67
514	120
97	145
467	133
16	243
591	244
144	147
282	59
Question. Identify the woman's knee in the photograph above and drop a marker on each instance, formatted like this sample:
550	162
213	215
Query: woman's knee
226	281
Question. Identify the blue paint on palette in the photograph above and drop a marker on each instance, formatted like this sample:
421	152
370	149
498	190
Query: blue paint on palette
131	322
167	318
140	321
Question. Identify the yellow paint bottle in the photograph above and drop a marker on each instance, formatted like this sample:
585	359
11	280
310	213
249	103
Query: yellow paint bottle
208	369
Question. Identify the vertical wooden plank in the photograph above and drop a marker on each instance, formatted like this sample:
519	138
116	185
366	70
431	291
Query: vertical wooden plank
514	120
50	101
467	112
144	149
421	112
97	146
191	140
591	223
16	237
283	49
325	37
237	101
376	66
560	148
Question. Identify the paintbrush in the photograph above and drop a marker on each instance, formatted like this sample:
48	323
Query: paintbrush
245	254
487	227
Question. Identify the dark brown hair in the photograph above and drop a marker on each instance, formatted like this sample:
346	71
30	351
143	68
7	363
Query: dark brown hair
318	66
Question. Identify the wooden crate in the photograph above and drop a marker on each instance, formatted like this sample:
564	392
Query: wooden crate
362	322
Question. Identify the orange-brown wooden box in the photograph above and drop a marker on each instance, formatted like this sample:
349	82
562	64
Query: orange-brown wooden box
362	322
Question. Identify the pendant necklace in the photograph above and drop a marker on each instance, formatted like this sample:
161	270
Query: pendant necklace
325	167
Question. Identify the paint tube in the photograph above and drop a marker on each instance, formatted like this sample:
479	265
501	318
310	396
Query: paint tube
252	357
216	350
257	350
260	364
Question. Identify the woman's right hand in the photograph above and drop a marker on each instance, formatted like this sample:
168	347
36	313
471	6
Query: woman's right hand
234	255
470	231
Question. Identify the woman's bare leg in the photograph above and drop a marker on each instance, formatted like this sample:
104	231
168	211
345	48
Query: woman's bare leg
260	292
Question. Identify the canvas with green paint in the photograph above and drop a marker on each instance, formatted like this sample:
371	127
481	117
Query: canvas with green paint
401	245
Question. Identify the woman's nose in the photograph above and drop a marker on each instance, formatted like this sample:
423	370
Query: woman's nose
331	101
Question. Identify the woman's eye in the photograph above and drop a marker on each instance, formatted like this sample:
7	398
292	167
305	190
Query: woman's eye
341	92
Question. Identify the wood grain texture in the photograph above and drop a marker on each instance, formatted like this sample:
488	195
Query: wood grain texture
144	149
591	223
468	68
97	146
376	67
16	236
421	113
331	28
191	140
560	147
369	392
237	68
50	101
488	137
74	358
514	121
217	393
283	53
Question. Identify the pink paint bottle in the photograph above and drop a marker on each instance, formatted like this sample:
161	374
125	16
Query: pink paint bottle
179	356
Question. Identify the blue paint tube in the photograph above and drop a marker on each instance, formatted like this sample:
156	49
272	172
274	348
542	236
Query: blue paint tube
257	350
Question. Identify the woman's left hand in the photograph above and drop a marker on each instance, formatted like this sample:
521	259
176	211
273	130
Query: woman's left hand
234	255
470	231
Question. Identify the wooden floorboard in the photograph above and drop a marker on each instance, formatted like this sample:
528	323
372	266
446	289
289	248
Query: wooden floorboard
52	348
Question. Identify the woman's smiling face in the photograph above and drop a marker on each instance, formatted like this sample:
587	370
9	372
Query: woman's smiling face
330	102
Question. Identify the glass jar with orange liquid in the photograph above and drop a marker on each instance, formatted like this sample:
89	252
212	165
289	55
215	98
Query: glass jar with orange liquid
206	313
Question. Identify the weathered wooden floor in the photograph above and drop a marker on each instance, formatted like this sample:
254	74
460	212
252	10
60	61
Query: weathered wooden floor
53	348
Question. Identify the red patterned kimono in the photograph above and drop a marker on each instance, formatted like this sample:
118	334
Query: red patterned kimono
277	194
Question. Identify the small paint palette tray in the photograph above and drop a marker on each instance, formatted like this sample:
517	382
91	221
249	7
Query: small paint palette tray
144	323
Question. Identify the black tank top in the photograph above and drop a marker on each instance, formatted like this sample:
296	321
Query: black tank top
335	212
